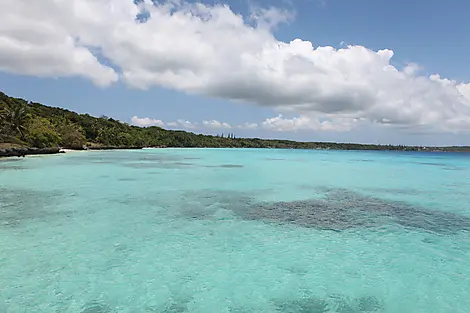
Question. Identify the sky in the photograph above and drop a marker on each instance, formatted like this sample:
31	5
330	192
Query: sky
386	72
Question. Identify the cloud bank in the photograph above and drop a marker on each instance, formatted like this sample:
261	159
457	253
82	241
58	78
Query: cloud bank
278	123
210	50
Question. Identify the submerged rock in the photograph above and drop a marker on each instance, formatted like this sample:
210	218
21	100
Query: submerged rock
306	305
342	210
369	304
18	206
96	307
339	210
366	304
310	213
335	303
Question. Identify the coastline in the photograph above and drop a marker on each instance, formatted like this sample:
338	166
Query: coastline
22	152
31	151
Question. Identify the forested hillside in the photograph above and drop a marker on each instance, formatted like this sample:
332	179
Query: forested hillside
30	124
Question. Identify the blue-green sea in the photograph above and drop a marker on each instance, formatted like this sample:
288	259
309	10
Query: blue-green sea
235	230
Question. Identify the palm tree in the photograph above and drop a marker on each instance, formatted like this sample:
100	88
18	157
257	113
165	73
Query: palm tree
16	119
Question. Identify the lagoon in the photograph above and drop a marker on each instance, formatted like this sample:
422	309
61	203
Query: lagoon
235	230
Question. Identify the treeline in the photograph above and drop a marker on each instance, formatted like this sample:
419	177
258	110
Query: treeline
35	125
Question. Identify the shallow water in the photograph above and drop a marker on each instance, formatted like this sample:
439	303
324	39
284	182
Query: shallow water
228	230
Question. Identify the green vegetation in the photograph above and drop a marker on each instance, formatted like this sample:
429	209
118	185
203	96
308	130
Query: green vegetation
14	120
41	133
31	124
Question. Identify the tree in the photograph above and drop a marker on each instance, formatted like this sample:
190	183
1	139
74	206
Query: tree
71	135
3	125
42	134
107	136
15	119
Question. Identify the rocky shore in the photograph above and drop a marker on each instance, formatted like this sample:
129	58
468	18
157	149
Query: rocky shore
24	151
112	148
21	152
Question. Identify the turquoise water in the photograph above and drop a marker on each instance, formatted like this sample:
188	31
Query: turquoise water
207	230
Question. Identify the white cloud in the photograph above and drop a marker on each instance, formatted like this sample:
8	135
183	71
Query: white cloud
279	123
187	124
180	123
270	18
411	69
464	89
202	49
216	124
145	121
37	38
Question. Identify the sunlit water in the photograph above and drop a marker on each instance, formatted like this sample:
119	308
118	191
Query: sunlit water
206	230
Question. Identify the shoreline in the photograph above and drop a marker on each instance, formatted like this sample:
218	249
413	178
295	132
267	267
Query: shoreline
30	151
19	152
22	152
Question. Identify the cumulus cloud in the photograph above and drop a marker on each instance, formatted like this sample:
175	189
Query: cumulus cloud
279	123
210	50
272	17
186	124
36	38
145	122
216	124
180	123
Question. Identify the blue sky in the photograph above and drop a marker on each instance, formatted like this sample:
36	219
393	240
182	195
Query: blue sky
429	35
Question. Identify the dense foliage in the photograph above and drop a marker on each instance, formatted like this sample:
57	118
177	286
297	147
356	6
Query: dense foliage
37	125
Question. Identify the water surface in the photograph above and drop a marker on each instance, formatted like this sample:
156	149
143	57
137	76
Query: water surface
229	230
